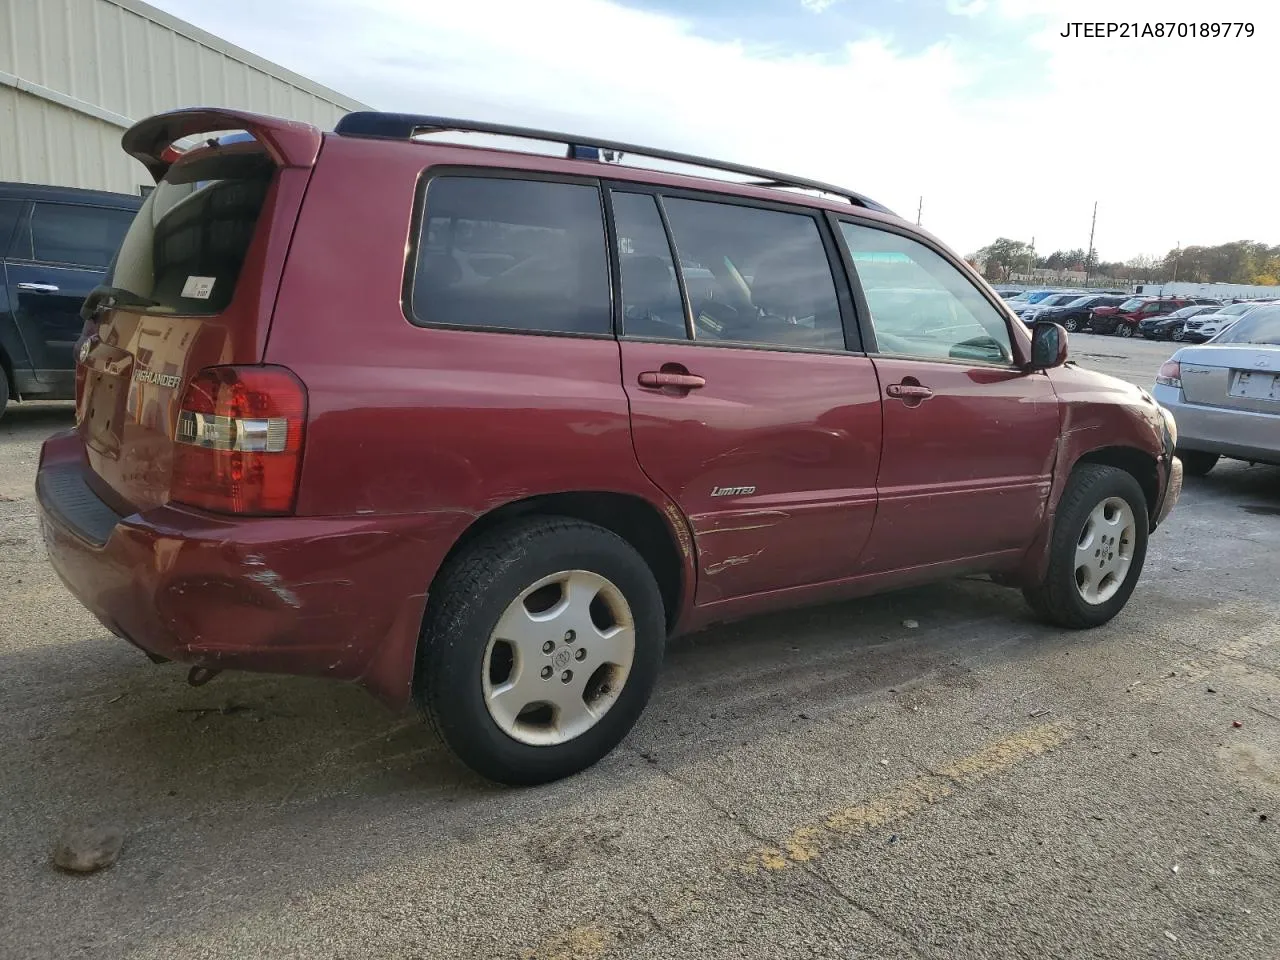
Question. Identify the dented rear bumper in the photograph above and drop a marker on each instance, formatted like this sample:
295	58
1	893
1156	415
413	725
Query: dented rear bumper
341	597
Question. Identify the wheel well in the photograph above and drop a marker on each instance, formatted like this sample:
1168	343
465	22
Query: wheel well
7	366
1133	461
634	519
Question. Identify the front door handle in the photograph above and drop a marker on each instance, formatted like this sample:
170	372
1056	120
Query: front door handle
39	287
657	379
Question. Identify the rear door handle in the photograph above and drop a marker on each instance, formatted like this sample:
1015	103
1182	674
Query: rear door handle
39	287
908	391
657	379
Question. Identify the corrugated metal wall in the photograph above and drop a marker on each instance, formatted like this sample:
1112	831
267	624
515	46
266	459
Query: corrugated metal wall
74	73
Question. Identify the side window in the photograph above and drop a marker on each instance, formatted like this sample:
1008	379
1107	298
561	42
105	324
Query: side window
525	255
651	304
84	236
755	276
9	211
922	306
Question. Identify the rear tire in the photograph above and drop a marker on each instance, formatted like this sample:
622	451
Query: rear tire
1071	324
4	391
1197	463
1092	492
1124	330
488	600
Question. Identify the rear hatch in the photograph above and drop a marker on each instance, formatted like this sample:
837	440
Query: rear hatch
191	287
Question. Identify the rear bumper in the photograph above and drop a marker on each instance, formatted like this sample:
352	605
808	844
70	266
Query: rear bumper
340	597
1239	434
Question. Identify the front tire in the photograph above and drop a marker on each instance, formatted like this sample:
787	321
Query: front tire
1124	330
4	391
1071	324
1197	463
541	645
1097	550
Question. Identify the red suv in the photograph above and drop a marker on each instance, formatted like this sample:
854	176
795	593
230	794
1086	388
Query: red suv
481	429
1124	320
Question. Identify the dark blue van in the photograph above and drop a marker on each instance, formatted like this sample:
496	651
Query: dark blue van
55	246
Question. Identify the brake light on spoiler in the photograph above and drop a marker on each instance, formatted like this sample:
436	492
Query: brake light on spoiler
238	443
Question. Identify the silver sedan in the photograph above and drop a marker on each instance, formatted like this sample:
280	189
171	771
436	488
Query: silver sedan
1225	394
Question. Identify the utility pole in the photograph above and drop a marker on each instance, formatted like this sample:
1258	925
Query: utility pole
1177	258
919	209
1088	257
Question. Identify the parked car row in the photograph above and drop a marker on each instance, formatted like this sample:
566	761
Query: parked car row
1182	318
1125	319
1190	319
1073	311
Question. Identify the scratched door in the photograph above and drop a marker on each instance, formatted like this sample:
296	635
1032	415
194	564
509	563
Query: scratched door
748	410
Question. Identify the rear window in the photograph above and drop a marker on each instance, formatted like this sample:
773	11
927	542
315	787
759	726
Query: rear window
187	245
510	254
1261	328
1237	309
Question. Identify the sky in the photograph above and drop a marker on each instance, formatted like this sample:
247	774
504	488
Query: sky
980	107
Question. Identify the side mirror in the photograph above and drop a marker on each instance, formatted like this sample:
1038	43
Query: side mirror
1048	345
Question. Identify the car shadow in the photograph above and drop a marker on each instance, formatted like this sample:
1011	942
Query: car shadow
97	711
267	787
41	417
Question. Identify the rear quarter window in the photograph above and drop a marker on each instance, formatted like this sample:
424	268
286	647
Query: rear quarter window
84	236
510	254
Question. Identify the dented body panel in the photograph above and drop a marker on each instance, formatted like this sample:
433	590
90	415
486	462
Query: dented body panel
1106	419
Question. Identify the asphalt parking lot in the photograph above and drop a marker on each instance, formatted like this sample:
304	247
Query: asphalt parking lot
826	783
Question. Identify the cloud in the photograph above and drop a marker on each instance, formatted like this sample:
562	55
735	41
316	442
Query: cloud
1151	129
966	8
817	6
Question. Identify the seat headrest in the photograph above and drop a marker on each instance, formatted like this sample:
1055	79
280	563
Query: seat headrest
645	276
791	280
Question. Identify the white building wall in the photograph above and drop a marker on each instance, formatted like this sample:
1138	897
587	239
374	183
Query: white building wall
75	73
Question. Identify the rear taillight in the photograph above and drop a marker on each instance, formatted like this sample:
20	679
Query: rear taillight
1170	374
238	445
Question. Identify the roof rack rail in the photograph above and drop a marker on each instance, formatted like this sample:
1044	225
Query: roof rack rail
404	126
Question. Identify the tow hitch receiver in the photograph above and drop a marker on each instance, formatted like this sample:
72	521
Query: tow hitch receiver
199	676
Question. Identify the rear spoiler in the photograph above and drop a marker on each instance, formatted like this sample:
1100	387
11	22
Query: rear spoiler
288	142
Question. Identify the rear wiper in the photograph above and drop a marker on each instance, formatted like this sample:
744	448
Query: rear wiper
102	296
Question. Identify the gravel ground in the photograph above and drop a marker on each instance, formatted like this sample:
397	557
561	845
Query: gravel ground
824	783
